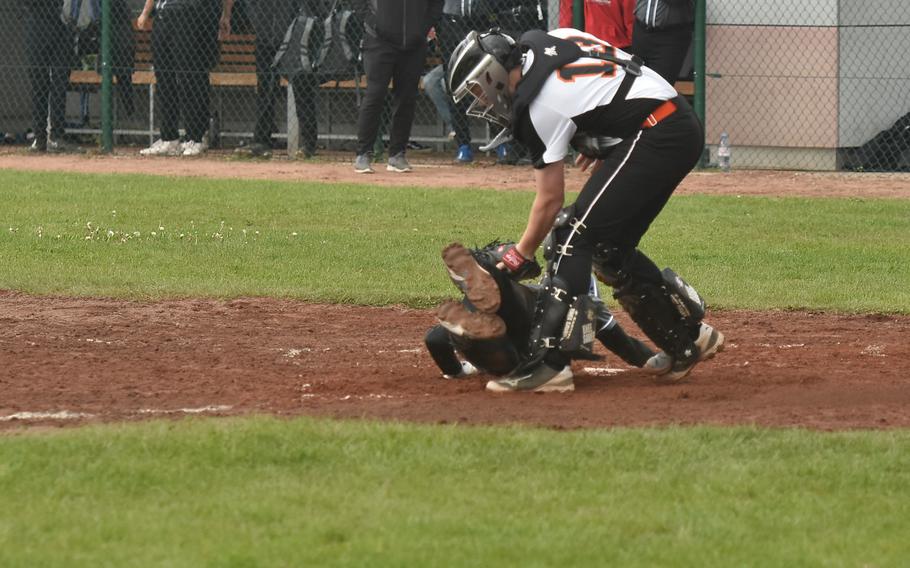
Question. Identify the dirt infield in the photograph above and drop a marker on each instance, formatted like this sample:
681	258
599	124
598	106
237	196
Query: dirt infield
72	361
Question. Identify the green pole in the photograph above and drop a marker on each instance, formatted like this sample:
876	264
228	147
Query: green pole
699	62
578	14
107	127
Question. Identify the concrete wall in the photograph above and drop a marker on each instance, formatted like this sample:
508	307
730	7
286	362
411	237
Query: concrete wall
792	81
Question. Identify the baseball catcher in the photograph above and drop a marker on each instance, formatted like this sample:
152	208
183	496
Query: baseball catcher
493	325
552	91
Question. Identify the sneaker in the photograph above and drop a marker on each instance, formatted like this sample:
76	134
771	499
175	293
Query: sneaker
659	364
193	148
475	282
541	378
362	164
417	147
709	343
162	148
467	370
255	150
38	146
456	318
464	155
505	156
398	163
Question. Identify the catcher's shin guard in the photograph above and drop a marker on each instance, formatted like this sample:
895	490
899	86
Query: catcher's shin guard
553	303
668	312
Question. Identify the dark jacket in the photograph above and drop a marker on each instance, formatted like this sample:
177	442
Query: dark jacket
665	14
403	23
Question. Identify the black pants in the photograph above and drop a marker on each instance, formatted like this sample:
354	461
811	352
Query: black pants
183	41
268	91
622	198
49	52
662	50
384	62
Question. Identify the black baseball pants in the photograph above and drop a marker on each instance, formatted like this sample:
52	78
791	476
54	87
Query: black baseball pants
384	62
621	199
662	50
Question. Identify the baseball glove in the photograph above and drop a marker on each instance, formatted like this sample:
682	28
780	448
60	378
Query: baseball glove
596	147
517	266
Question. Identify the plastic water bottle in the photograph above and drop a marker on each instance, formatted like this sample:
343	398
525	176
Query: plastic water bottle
723	152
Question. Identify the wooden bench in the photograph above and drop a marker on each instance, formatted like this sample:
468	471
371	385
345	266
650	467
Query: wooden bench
236	68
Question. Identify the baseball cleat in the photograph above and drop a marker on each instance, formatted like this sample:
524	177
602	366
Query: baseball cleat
456	318
659	364
467	369
709	343
475	282
542	378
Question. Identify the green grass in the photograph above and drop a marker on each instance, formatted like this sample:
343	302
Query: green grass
153	237
263	492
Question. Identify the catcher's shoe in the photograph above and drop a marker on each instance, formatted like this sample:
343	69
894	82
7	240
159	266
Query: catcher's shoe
709	343
658	364
541	378
471	278
467	369
456	318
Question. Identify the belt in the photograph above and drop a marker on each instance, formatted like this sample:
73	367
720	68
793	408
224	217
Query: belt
658	114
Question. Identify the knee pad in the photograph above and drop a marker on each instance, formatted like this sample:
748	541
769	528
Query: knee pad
609	264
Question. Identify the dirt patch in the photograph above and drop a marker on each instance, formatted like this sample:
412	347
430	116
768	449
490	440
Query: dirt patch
436	171
72	361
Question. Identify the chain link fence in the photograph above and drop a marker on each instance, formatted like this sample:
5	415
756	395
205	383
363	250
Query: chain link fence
808	84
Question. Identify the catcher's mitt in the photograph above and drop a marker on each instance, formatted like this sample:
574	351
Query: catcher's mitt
517	266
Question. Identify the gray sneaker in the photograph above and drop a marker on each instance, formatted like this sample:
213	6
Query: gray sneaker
709	343
456	318
659	364
475	282
362	164
398	163
541	378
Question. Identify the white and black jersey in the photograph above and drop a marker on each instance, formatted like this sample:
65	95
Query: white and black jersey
580	97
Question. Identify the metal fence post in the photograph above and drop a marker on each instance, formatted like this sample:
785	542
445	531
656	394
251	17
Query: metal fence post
699	62
107	123
578	14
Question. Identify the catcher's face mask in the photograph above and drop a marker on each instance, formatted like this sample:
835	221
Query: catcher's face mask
477	68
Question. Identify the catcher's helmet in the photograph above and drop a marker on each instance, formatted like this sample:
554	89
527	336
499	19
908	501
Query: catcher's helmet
479	66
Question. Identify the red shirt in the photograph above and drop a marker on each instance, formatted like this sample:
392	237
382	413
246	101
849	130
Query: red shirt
610	20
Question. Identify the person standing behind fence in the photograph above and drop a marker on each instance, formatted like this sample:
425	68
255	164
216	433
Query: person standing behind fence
271	21
394	48
49	52
184	50
610	20
662	34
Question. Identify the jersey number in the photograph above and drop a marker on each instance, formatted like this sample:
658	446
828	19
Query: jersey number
569	72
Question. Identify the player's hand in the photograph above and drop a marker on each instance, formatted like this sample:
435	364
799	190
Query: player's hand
143	21
586	162
517	266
